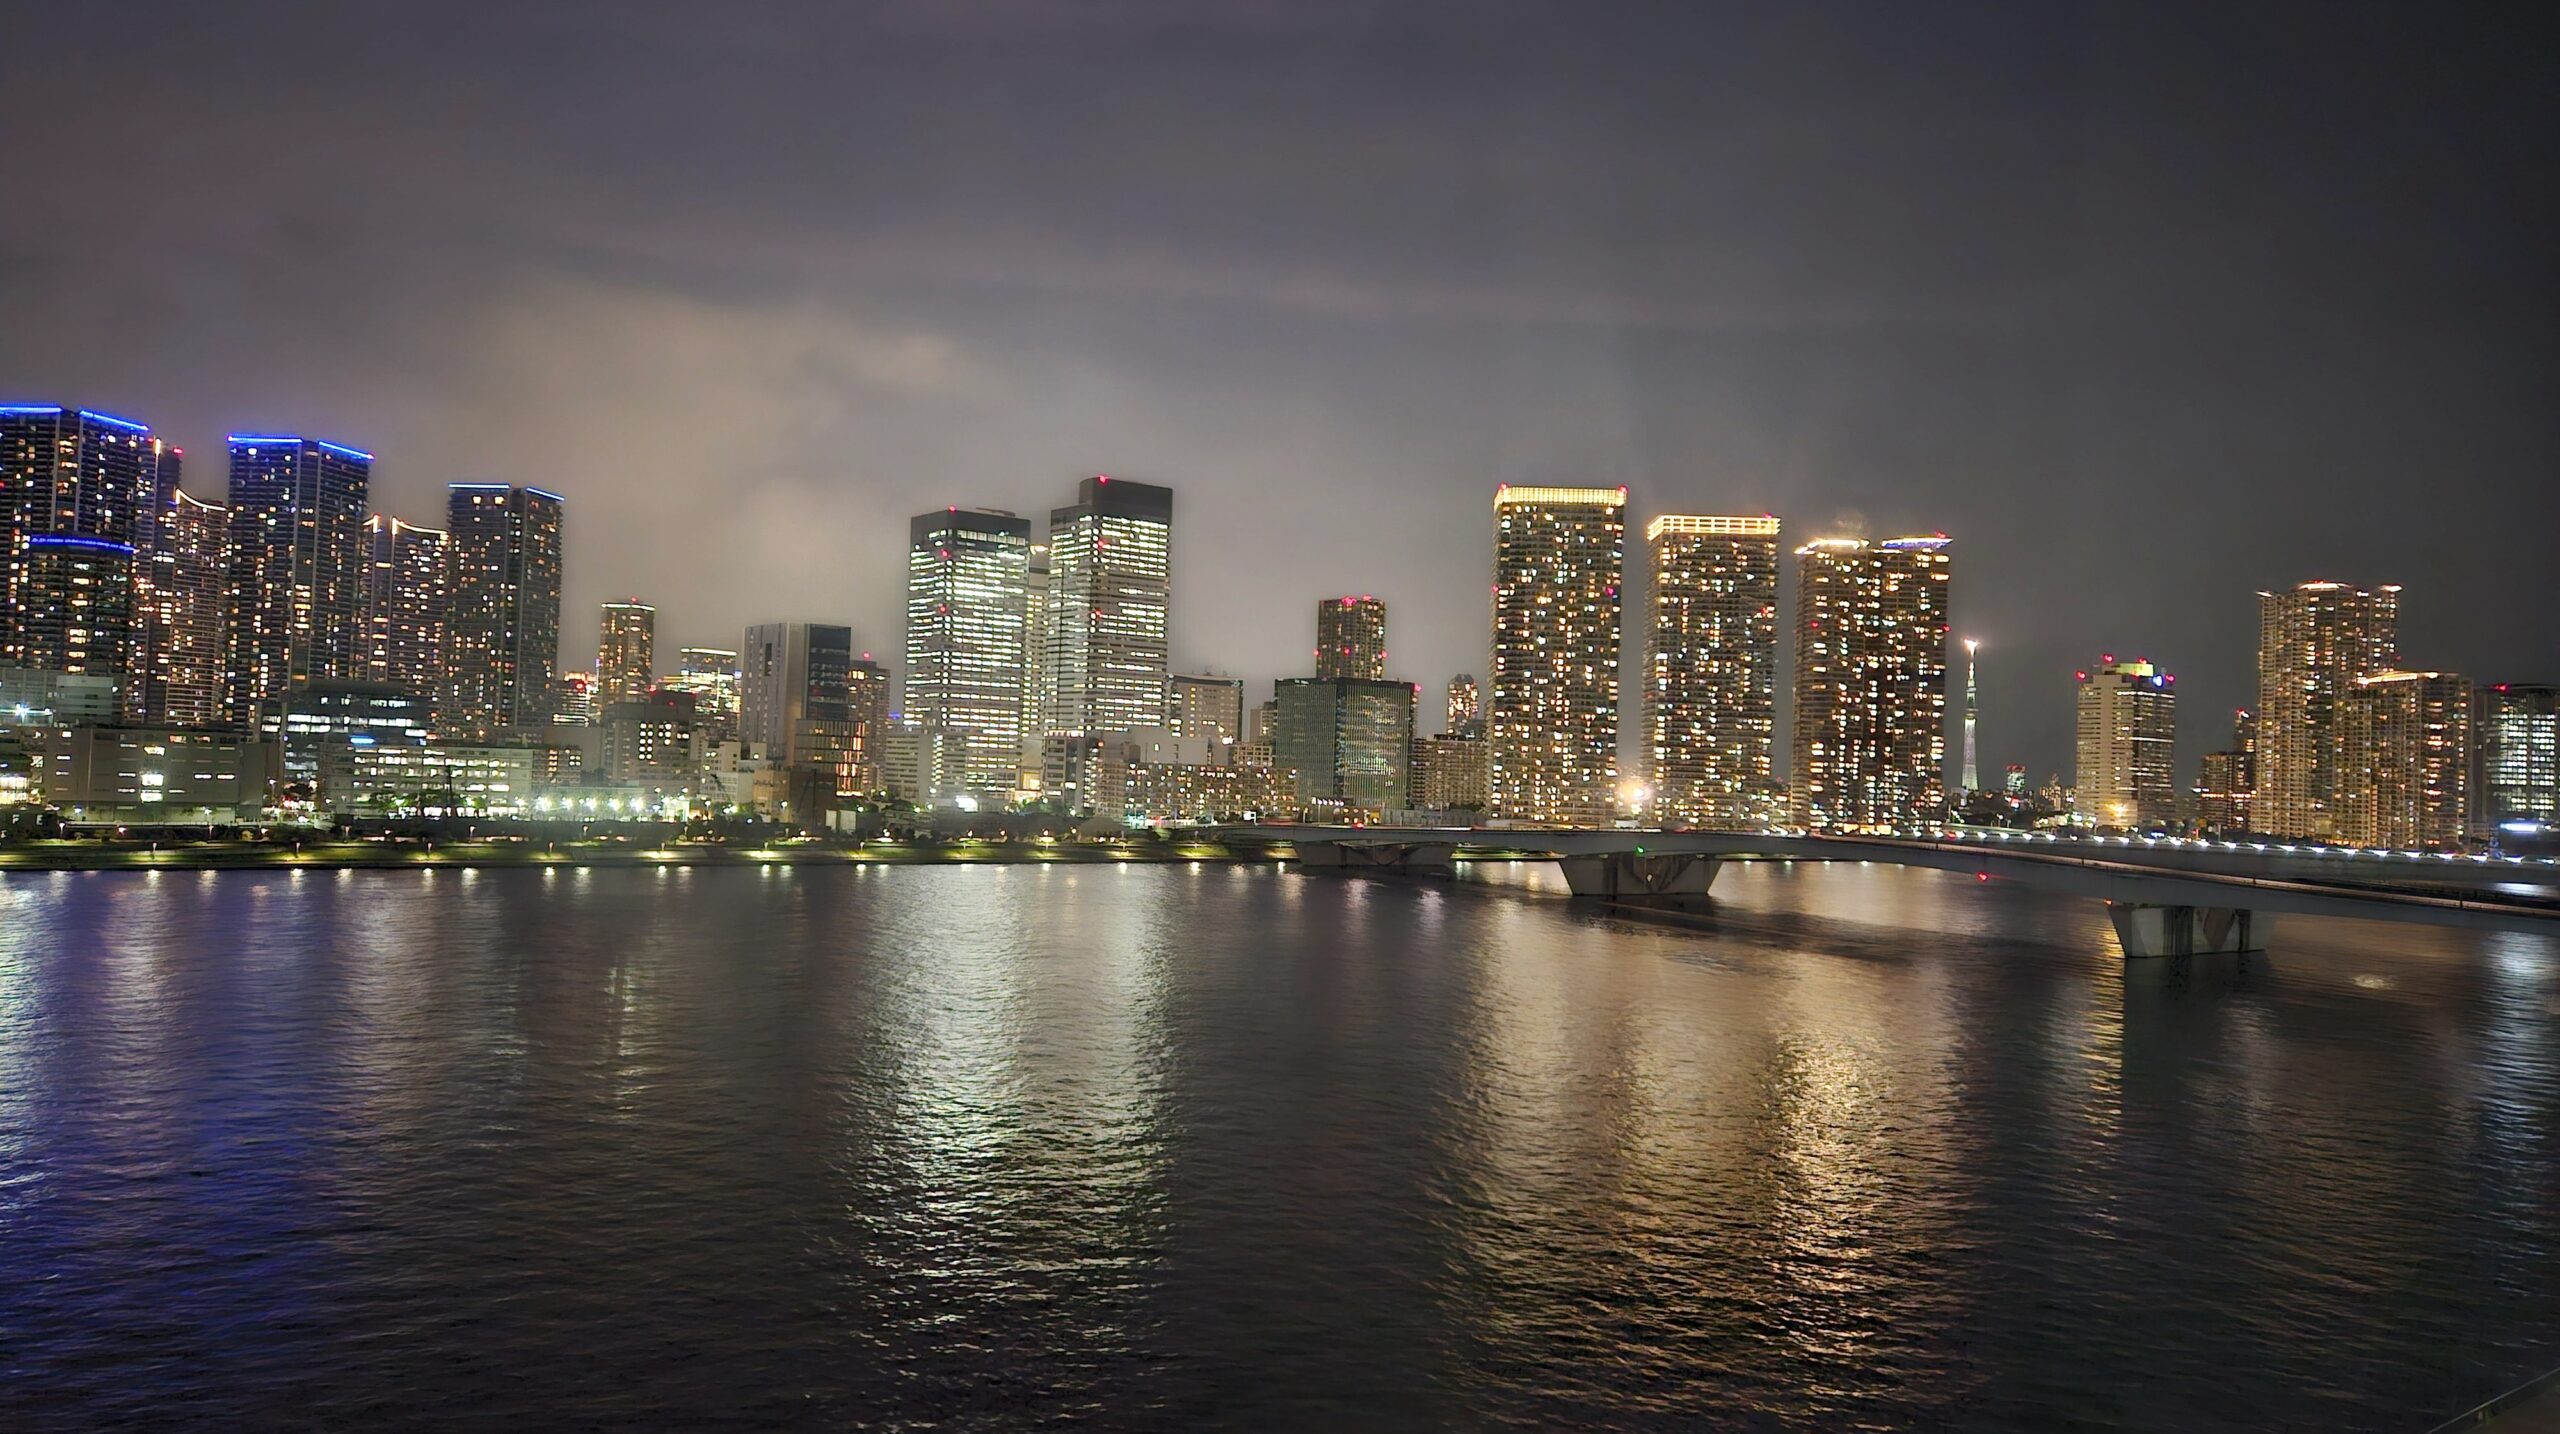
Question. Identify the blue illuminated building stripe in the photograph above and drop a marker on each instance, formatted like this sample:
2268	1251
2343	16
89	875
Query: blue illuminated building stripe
340	448
30	408
109	418
91	545
546	493
263	440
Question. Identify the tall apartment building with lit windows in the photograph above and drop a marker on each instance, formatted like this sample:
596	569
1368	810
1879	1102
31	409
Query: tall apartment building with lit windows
1351	638
503	654
1466	706
1110	604
2127	778
2405	761
2515	765
1559	559
968	588
297	566
1200	706
80	493
2314	641
1711	670
1870	741
408	604
184	604
626	652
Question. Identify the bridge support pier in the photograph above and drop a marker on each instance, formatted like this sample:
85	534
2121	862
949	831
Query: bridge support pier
1641	876
1432	857
2146	931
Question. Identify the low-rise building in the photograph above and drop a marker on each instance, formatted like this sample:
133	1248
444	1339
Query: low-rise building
103	775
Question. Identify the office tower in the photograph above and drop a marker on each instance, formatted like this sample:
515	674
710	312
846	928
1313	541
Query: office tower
1039	689
1870	685
1559	555
297	559
2128	730
324	720
1711	670
710	674
2515	765
79	497
1972	716
866	712
791	674
1211	707
1110	583
2313	643
184	603
968	581
573	700
2405	760
2226	780
408	604
1349	739
1351	638
1466	706
626	652
503	655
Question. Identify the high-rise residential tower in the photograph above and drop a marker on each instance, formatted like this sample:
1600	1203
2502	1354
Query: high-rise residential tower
2314	641
2405	760
2128	733
968	588
408	605
1870	744
2515	771
184	605
1351	638
297	566
1110	599
504	650
1210	707
1559	556
710	674
1466	706
80	493
1711	666
626	652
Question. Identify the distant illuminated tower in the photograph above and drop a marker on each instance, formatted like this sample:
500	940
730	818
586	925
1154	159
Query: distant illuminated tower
2127	745
1972	715
968	580
2314	641
1870	685
408	604
2515	772
626	652
504	653
2405	757
297	558
710	674
1466	706
1205	707
1351	638
2226	780
1559	556
1711	667
184	600
1110	599
80	493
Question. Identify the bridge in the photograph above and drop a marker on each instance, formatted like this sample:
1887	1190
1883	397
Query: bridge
2166	897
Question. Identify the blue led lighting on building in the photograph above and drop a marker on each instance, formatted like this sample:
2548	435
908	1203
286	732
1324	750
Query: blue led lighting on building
481	487
30	408
545	493
67	540
109	418
262	440
342	449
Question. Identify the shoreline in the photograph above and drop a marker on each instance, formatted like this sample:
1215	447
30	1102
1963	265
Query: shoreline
76	856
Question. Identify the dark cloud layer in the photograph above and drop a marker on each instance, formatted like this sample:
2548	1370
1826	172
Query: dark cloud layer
2149	306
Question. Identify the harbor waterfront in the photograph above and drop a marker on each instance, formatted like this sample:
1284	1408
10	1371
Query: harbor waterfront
1168	1144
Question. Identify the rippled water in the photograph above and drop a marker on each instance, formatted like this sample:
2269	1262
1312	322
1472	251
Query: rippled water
1174	1147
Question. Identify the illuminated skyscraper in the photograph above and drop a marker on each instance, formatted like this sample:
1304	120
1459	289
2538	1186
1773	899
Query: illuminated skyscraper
1972	716
1559	555
626	652
1210	707
408	605
504	652
2313	643
297	557
79	498
2128	733
1870	747
2405	760
2226	781
1349	739
968	582
1110	586
710	674
184	604
1351	638
1711	665
792	674
2515	772
1466	706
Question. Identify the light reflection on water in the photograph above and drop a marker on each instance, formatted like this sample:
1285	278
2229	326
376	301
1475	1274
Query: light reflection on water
1009	1146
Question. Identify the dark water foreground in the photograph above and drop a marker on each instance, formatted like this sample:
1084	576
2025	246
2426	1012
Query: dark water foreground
1172	1148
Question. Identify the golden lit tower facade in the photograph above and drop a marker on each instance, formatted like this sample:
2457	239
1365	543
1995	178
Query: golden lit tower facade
2128	733
184	601
2515	764
1351	638
968	582
1559	557
1110	604
626	652
2314	641
1870	743
2405	761
408	603
1711	670
1202	706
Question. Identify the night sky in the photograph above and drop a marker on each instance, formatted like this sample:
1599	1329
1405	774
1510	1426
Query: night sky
2149	306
